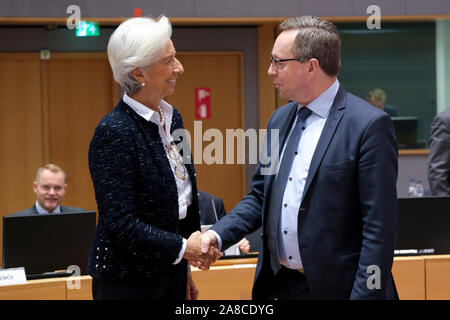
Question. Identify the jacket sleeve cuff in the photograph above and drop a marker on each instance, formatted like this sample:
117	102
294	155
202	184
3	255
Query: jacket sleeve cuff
219	240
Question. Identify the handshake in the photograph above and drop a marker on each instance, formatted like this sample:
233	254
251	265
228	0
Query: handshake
202	249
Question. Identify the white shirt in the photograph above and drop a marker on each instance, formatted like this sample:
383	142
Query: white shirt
42	210
288	233
184	187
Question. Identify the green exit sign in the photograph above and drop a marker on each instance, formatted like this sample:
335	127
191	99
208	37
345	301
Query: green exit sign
87	29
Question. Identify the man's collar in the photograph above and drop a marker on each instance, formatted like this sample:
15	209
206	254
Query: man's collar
322	104
42	210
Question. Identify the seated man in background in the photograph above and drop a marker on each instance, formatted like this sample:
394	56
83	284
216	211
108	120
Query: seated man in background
377	97
50	187
211	210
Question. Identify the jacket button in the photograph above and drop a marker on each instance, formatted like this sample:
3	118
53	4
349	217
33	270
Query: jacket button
262	235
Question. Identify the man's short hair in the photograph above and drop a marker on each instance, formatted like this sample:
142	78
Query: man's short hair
378	93
52	168
316	38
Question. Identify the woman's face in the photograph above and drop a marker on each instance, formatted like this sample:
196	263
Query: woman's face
161	76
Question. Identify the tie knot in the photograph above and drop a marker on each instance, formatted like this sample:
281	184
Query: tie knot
303	113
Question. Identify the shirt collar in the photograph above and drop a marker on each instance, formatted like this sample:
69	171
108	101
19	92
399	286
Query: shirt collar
322	104
41	210
147	113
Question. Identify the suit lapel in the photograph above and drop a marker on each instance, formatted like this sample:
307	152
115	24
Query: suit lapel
331	124
34	209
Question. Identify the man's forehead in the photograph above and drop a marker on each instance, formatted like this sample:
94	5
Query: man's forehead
283	43
48	174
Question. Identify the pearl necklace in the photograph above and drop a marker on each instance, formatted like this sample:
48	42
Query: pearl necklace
161	117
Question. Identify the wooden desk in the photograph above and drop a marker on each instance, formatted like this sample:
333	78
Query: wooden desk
409	277
83	292
44	289
418	278
226	280
437	269
50	289
413	152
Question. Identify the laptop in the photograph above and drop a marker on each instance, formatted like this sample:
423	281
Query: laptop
406	131
424	226
46	245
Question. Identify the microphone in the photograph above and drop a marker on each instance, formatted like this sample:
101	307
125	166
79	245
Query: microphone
214	208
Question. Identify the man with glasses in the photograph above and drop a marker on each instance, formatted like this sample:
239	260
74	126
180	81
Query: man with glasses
329	213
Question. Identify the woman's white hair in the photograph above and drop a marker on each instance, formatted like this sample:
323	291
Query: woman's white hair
136	43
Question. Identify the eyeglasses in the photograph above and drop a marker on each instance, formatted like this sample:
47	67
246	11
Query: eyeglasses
180	170
277	61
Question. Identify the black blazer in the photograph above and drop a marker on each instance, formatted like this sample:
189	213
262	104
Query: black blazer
348	216
33	210
139	234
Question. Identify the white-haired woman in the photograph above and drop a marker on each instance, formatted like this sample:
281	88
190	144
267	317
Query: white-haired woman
146	196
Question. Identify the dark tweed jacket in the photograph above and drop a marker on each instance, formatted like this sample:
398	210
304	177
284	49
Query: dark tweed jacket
139	234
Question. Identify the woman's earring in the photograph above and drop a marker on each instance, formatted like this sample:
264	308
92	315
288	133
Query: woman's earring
143	84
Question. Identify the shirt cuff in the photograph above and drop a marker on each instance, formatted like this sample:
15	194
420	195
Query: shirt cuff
181	254
219	240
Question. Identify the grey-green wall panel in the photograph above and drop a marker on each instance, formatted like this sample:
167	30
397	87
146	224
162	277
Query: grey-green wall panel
220	8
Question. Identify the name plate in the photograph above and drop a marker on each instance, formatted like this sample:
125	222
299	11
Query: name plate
12	276
232	251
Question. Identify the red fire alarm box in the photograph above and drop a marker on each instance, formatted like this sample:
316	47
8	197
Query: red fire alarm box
202	103
137	12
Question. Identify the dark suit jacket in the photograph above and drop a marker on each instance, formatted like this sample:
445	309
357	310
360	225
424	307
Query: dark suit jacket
348	216
439	158
391	110
33	210
205	205
139	234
